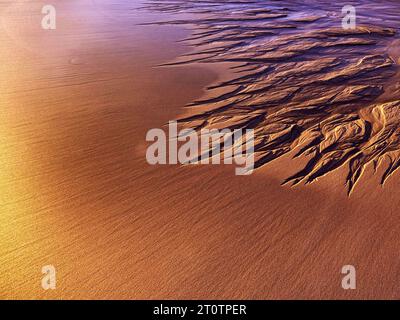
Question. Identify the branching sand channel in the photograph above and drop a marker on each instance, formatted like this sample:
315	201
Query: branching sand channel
304	84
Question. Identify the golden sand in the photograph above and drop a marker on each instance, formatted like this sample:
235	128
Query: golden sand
77	192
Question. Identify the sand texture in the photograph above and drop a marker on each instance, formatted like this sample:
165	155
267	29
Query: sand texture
76	191
303	83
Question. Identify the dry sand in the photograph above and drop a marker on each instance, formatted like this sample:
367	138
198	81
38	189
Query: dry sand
77	193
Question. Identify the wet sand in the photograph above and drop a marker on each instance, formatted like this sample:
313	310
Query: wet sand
77	193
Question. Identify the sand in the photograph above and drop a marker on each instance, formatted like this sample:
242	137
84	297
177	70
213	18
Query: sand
77	192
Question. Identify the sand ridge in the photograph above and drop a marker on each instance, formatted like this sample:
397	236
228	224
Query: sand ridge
304	84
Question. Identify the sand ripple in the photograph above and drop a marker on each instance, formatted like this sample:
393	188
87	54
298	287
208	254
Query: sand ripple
304	84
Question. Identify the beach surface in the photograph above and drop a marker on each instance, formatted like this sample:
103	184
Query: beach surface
76	191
